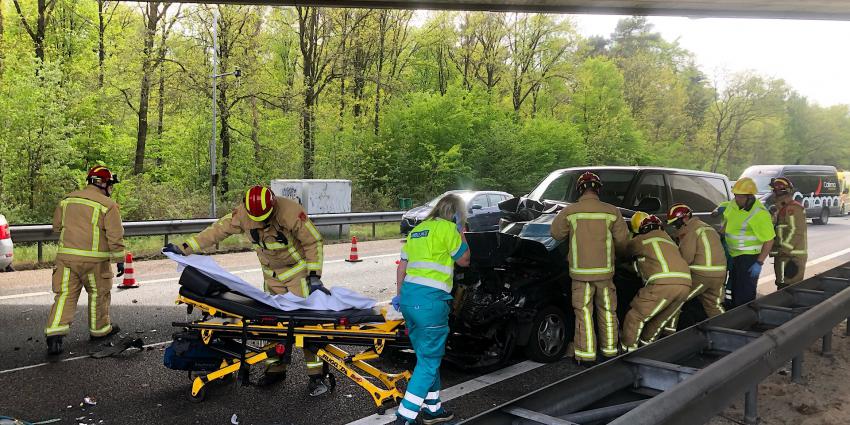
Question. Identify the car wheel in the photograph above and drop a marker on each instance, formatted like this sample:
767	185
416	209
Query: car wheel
547	342
824	217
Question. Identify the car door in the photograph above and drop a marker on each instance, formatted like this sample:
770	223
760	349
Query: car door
702	193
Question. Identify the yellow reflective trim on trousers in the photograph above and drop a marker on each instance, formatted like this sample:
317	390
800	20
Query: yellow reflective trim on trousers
668	275
588	328
643	322
573	218
695	292
102	331
663	325
708	268
92	302
610	324
56	330
84	253
63	295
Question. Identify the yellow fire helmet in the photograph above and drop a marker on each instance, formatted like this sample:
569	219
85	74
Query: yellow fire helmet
745	186
636	220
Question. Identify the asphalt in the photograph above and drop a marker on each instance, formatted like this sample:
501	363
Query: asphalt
135	387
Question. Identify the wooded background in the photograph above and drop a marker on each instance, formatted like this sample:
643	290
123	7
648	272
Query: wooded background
403	103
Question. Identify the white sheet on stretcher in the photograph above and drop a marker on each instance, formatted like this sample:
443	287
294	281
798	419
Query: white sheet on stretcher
340	298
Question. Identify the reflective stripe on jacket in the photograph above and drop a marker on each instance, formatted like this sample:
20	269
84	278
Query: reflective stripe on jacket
286	243
658	259
746	231
700	247
431	250
791	231
596	231
89	226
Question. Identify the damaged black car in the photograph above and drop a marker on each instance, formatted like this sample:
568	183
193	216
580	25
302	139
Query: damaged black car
515	296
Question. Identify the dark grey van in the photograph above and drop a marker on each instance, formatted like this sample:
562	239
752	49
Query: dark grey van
816	187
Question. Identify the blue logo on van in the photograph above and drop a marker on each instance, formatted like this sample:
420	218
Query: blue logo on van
419	234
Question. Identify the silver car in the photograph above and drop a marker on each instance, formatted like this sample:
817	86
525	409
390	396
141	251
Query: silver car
6	254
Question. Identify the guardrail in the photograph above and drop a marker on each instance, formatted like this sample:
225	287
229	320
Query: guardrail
41	233
689	377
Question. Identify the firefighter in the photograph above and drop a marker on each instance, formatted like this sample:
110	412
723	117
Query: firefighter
748	233
91	237
289	248
596	230
789	247
424	284
667	281
700	247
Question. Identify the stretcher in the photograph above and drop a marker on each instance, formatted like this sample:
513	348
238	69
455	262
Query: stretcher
236	332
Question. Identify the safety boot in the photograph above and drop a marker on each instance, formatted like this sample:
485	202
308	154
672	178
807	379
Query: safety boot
402	421
54	345
441	416
115	330
317	386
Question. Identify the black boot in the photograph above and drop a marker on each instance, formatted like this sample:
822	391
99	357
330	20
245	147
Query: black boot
439	417
54	345
115	330
317	386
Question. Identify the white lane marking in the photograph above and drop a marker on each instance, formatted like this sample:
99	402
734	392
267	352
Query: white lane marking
70	359
459	390
27	295
174	279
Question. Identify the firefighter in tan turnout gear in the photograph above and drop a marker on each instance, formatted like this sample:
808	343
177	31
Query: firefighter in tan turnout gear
667	281
595	231
289	248
789	247
701	248
91	237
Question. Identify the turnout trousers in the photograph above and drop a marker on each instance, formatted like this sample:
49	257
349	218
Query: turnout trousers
296	284
711	292
428	324
600	296
789	269
742	285
69	278
654	305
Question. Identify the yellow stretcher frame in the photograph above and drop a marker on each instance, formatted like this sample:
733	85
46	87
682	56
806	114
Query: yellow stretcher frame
318	337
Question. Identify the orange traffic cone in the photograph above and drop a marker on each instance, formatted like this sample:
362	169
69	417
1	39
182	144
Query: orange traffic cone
353	257
129	279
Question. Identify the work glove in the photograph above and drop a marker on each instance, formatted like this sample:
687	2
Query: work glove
120	269
315	283
755	271
172	249
396	302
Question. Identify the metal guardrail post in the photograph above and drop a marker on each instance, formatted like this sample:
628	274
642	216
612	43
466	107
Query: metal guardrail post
339	233
826	348
165	240
797	369
751	408
374	233
40	253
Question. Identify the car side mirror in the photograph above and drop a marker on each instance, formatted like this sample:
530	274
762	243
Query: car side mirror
649	205
475	207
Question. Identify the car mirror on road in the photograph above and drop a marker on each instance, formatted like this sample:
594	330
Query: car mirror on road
649	205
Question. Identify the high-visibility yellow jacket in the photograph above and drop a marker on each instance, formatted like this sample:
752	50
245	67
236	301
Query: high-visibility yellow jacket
700	247
89	227
596	230
286	244
658	259
746	231
431	251
791	231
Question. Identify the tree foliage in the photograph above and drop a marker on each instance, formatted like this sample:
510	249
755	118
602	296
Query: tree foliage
405	104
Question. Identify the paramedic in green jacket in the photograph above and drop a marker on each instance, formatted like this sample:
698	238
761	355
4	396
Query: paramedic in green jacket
424	284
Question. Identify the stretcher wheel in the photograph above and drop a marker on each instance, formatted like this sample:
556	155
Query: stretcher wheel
202	394
331	381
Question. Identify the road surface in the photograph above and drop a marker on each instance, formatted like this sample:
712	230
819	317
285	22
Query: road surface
135	388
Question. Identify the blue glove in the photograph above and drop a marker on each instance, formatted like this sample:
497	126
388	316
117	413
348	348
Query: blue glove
172	249
315	283
120	267
396	302
755	271
718	211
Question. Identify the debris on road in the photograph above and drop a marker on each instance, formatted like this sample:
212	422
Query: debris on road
91	401
234	420
124	344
